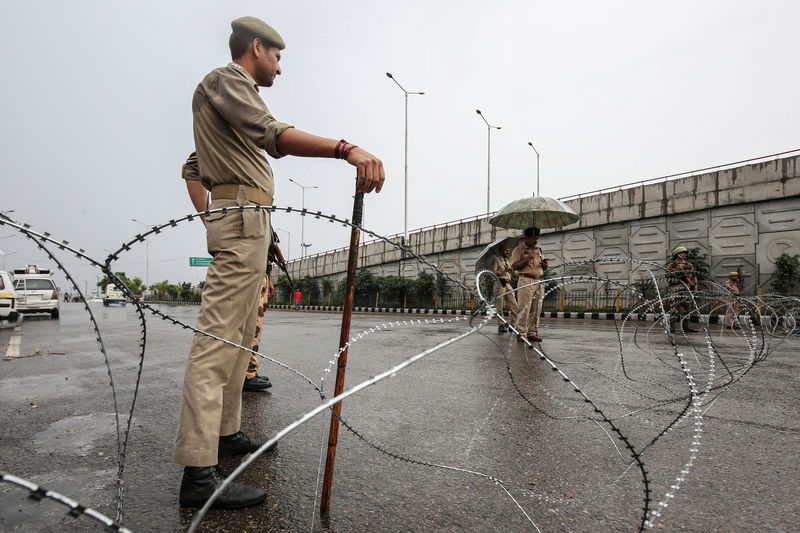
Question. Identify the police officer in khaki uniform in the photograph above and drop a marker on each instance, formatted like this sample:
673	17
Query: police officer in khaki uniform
732	315
232	130
528	261
502	269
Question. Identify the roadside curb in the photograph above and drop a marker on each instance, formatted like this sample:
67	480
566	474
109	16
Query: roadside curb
581	315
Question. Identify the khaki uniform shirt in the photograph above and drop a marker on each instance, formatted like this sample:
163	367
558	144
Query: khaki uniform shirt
523	251
732	286
500	265
232	129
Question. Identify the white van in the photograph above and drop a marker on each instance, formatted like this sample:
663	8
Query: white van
36	291
114	296
8	298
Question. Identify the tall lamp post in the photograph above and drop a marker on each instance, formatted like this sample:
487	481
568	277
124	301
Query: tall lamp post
405	188
489	129
303	244
6	254
147	252
537	166
288	243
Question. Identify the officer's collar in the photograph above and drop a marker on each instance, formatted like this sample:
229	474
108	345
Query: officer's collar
243	71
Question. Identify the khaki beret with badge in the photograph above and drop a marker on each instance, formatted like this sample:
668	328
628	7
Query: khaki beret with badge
259	28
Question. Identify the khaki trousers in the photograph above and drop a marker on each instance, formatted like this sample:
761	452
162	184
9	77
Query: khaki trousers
732	316
530	296
506	295
212	385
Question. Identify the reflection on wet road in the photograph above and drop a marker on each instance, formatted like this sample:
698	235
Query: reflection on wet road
480	436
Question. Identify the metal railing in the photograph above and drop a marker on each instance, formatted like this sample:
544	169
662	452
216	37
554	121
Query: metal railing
679	175
600	300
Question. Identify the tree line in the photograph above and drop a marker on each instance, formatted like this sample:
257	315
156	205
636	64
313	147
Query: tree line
163	290
390	291
425	290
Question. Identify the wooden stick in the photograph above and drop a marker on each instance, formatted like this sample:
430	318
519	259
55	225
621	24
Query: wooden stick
344	338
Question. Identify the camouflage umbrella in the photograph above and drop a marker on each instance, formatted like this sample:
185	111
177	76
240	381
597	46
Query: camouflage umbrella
537	211
492	250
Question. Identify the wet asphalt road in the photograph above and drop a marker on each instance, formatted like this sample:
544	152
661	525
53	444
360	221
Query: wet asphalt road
482	405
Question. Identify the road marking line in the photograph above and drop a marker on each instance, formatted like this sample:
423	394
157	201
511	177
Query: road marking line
14	343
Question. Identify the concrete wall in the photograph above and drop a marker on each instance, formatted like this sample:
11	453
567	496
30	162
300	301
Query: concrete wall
744	216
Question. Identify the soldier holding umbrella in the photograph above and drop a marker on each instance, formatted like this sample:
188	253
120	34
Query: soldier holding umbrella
531	214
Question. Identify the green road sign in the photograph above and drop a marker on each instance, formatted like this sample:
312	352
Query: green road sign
199	261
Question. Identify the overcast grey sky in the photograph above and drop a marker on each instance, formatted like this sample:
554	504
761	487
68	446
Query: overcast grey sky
97	119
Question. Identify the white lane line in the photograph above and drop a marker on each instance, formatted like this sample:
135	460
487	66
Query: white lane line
14	342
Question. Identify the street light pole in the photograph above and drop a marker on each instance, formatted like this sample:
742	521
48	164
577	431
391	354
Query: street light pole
537	166
303	244
6	254
147	253
405	187
489	129
288	243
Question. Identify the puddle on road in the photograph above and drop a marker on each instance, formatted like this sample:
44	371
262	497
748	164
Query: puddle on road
76	434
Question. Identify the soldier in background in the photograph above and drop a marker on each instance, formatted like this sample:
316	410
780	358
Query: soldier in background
252	381
732	315
682	281
502	269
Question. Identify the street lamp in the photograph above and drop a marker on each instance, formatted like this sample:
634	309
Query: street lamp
147	252
288	243
405	189
6	254
303	244
489	129
537	166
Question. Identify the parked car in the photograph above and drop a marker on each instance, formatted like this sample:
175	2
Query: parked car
36	291
8	298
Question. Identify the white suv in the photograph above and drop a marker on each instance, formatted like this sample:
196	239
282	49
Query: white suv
36	291
8	298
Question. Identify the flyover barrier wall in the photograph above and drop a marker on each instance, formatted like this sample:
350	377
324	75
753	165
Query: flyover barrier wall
742	216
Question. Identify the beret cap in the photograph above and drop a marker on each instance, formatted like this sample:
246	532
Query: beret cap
531	232
732	274
258	28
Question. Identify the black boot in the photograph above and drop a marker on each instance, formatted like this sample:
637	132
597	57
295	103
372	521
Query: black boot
255	384
200	482
240	444
265	380
688	328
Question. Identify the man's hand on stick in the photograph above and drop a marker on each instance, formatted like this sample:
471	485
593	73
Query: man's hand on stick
369	170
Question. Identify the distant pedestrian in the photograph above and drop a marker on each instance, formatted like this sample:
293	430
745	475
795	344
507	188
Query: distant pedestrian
298	297
734	287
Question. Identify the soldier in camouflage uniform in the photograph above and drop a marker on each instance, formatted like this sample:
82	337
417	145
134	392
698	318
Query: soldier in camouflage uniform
252	381
682	280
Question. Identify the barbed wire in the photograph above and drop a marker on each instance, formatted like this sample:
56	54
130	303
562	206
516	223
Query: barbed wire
775	314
